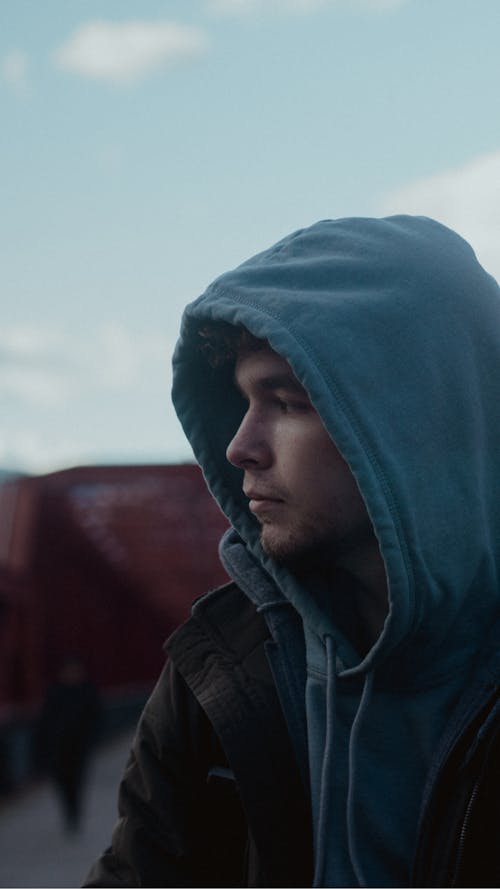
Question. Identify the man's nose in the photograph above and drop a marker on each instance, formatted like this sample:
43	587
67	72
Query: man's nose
249	447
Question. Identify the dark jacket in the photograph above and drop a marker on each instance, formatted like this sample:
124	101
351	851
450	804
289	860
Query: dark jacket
212	794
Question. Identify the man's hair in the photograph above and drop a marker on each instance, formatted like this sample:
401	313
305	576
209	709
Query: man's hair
221	343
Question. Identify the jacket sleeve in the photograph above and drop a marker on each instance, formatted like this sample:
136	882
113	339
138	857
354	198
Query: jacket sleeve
161	836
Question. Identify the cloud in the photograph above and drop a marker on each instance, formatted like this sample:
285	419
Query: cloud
466	198
71	397
123	52
31	368
247	7
14	67
120	357
381	5
49	366
33	450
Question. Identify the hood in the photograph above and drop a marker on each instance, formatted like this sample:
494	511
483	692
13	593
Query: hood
392	326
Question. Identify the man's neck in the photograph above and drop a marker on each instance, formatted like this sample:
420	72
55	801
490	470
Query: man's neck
357	583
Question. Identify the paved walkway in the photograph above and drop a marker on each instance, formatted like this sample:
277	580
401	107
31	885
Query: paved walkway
34	851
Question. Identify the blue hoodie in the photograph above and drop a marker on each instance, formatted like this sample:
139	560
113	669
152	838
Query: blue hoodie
393	328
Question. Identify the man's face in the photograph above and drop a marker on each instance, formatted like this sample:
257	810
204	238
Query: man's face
300	489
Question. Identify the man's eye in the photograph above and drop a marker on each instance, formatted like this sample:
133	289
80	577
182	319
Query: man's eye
283	406
287	407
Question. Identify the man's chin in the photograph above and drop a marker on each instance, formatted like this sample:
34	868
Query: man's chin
298	551
282	546
275	545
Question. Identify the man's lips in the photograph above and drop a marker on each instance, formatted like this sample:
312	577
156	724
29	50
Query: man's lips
260	501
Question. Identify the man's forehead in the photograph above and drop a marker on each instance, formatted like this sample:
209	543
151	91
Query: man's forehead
265	368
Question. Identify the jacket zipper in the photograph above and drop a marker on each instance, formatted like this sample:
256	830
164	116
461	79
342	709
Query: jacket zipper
475	790
463	833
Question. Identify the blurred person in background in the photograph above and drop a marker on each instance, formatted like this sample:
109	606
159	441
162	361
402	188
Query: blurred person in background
66	733
331	717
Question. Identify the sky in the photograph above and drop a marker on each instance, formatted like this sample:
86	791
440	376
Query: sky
146	147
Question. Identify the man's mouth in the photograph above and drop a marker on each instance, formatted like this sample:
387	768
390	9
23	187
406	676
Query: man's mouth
261	501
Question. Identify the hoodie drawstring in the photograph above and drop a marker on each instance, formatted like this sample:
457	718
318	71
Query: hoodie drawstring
354	749
325	825
324	821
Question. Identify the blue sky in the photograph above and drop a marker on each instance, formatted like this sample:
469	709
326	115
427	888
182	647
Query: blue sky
147	146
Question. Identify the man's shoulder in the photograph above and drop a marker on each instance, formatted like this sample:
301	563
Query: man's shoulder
221	603
223	620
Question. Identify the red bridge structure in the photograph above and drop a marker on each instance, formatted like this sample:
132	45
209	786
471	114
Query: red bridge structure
102	562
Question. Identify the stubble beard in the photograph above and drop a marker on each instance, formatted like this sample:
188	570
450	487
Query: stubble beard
312	543
298	545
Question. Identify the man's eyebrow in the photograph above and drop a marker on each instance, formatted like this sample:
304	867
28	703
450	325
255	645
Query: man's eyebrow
285	382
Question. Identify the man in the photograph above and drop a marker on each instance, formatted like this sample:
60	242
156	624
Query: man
329	718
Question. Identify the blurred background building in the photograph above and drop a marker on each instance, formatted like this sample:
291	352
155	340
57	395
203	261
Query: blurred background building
102	563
